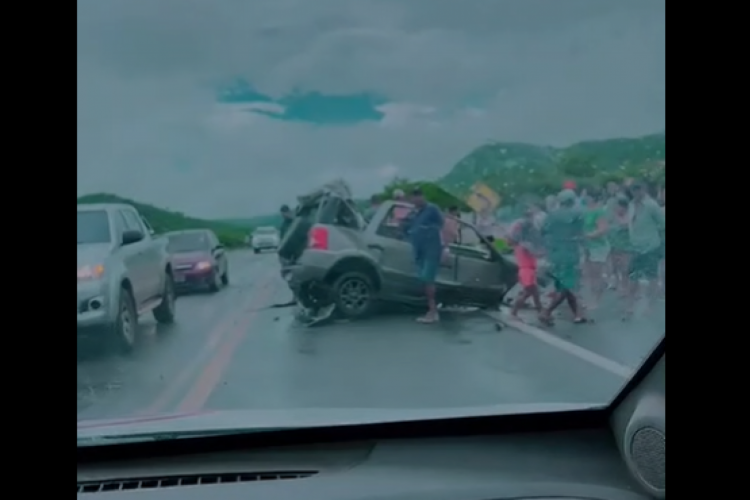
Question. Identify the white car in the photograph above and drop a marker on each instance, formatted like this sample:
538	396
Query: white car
265	238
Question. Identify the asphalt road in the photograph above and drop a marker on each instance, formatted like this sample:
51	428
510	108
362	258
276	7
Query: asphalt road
228	351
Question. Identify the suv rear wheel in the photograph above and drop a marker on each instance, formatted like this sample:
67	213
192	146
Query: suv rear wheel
354	295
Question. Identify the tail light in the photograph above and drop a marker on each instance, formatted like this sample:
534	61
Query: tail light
318	238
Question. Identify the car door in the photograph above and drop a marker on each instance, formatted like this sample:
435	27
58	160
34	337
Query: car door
133	260
483	276
386	243
149	258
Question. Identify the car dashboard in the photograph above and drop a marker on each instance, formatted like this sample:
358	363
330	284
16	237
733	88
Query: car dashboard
616	454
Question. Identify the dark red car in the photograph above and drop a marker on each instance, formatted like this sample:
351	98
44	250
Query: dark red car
199	260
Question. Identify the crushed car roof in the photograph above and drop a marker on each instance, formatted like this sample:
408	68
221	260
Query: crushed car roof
337	188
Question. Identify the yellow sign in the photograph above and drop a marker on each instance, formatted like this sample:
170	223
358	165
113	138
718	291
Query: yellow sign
483	199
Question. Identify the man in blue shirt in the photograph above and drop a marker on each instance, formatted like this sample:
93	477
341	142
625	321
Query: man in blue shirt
423	229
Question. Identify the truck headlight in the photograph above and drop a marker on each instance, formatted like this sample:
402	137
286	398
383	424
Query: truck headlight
87	273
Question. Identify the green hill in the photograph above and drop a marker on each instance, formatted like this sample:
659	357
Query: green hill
513	169
167	220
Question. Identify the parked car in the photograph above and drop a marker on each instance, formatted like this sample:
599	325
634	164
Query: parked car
265	238
328	257
123	272
198	259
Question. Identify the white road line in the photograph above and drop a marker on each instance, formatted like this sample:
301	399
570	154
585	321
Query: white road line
565	346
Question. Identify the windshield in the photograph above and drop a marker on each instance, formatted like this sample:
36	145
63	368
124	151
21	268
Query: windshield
469	198
188	242
93	227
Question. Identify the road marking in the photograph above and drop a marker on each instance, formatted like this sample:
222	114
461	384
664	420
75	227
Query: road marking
565	346
213	371
216	336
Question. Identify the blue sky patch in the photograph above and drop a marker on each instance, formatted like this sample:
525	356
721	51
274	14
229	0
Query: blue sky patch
308	107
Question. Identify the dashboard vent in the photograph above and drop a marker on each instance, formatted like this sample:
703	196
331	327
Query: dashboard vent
193	480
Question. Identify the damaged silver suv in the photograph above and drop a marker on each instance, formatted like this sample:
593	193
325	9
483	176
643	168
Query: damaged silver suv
331	258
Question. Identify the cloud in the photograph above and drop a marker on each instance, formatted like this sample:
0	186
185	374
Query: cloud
451	75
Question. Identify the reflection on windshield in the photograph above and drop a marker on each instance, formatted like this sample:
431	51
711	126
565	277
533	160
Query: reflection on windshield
93	227
188	242
419	205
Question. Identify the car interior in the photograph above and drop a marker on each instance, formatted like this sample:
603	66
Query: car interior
610	452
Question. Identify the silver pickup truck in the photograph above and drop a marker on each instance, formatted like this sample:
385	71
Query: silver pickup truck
123	272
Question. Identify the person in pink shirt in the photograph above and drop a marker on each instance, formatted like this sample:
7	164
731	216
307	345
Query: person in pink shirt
526	241
399	213
449	233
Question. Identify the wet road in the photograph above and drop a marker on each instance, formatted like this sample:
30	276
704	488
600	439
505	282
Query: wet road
227	351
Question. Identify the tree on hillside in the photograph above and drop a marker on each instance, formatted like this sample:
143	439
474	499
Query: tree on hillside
432	192
577	165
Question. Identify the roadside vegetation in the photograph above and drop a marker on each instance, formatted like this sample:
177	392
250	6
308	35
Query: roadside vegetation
166	220
513	170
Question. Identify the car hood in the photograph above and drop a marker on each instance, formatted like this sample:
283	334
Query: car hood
92	253
211	422
190	257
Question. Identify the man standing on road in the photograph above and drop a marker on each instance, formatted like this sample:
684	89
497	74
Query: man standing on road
562	232
424	232
286	220
647	222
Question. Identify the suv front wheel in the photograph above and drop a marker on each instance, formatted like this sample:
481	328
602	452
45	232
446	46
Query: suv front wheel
164	313
125	329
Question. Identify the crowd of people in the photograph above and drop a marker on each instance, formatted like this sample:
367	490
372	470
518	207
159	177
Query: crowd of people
592	240
587	241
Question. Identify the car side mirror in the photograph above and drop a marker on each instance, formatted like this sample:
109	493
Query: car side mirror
218	247
131	236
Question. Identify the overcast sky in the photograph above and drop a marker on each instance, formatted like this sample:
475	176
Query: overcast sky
444	76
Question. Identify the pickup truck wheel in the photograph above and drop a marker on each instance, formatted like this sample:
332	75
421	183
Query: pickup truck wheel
354	295
256	250
125	329
164	313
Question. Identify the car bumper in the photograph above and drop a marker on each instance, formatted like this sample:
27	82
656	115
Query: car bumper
296	275
93	306
193	279
265	245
